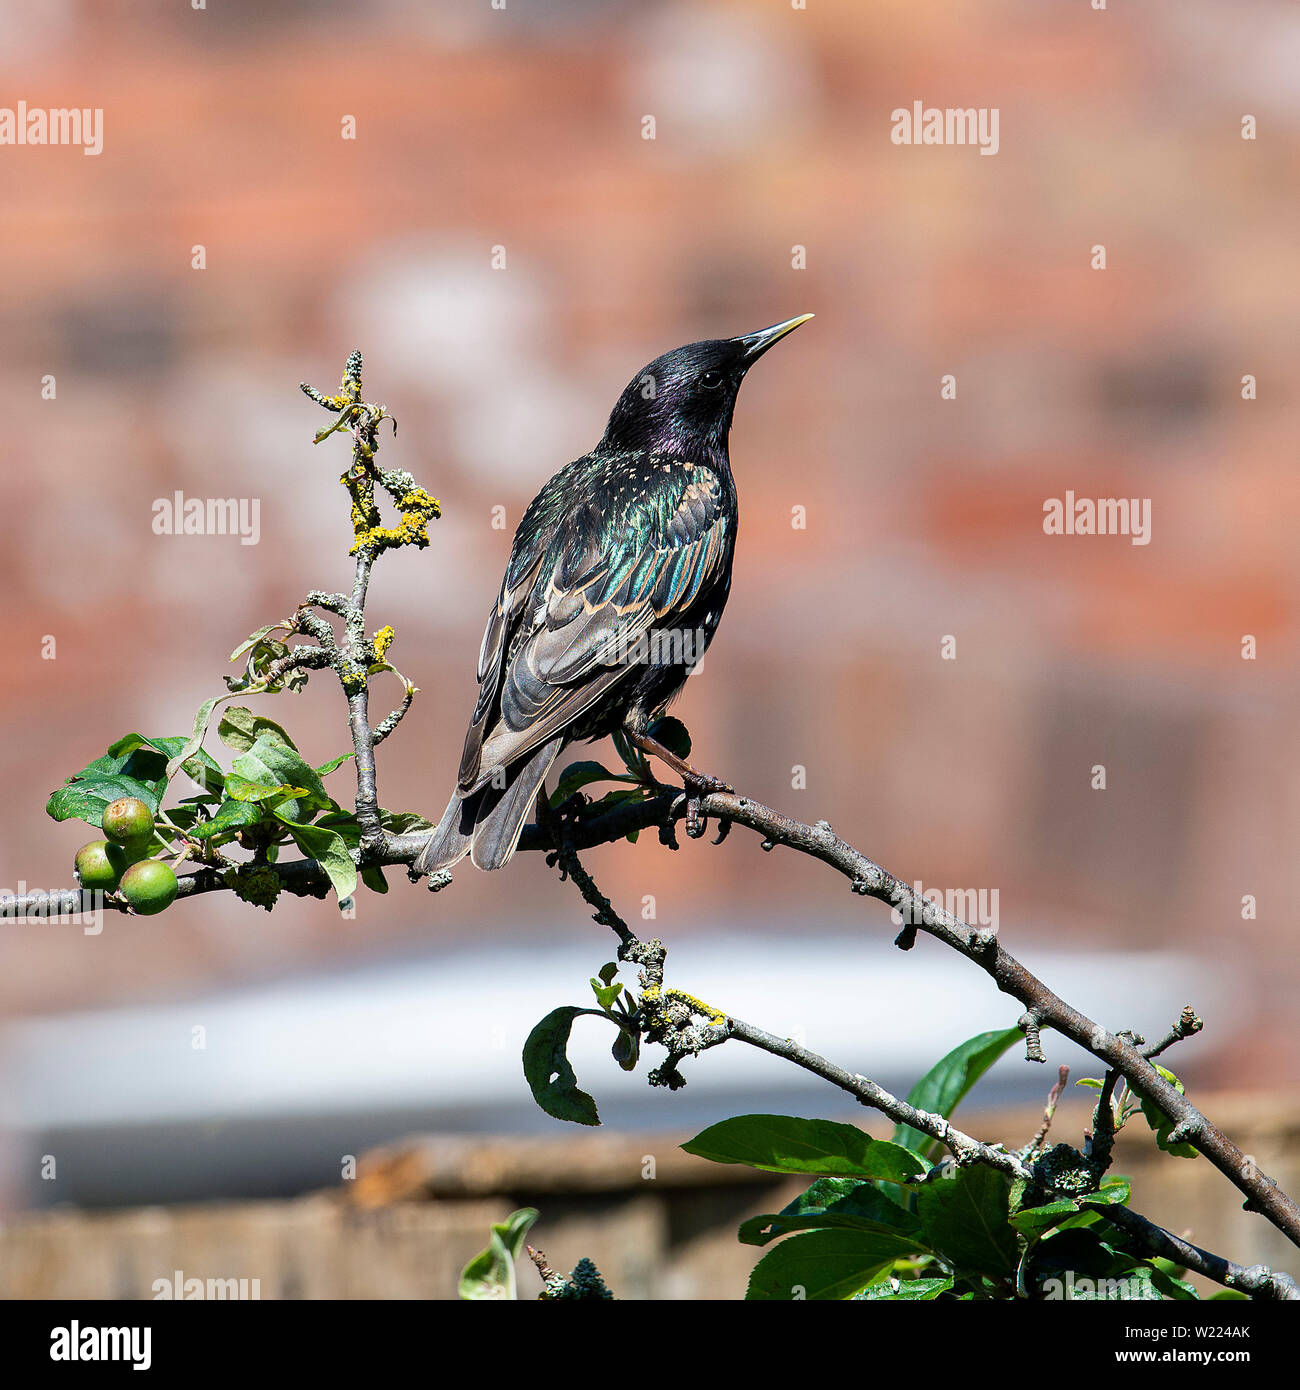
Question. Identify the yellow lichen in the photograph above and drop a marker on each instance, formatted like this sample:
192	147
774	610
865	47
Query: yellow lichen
654	993
418	509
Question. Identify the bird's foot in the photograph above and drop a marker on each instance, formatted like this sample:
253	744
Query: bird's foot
698	786
695	791
701	784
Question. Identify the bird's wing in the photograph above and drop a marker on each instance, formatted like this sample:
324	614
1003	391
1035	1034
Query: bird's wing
502	621
532	540
598	598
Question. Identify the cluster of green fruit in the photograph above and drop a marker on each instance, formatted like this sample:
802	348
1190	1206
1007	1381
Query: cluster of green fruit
119	862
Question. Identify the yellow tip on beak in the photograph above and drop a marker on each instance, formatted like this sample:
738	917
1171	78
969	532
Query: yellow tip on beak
756	344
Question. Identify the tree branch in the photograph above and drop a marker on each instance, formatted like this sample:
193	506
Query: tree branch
1257	1280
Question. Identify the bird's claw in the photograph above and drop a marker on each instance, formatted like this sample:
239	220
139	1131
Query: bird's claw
698	787
704	785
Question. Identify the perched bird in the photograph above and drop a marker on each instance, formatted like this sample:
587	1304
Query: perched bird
617	579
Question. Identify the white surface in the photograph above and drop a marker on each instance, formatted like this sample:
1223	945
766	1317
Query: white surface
448	1031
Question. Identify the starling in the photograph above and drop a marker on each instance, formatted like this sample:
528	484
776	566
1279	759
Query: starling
617	579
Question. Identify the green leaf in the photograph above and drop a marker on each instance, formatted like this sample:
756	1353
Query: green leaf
133	757
86	797
549	1074
262	654
254	638
1114	1192
942	1088
491	1273
626	1048
1171	1286
329	850
1033	1221
606	995
636	764
578	775
404	822
241	789
229	817
201	767
618	797
1162	1124
964	1218
240	729
272	764
373	877
378	668
672	733
835	1203
333	765
195	741
133	766
908	1291
184	815
342	823
825	1265
786	1144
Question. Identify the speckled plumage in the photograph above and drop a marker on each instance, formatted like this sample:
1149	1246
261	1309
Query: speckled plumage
616	582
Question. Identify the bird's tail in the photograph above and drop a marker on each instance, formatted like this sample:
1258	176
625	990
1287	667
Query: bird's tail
486	824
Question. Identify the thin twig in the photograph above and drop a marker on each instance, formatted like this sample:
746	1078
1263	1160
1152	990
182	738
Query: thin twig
964	1148
1049	1110
1188	1023
538	1258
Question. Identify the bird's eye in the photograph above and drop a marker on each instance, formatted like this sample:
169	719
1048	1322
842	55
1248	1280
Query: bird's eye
711	380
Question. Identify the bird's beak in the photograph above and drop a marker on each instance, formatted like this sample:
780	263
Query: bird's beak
756	344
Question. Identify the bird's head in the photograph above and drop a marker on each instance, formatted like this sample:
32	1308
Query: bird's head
682	402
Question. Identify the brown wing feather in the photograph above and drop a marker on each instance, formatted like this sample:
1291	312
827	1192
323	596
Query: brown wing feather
500	624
